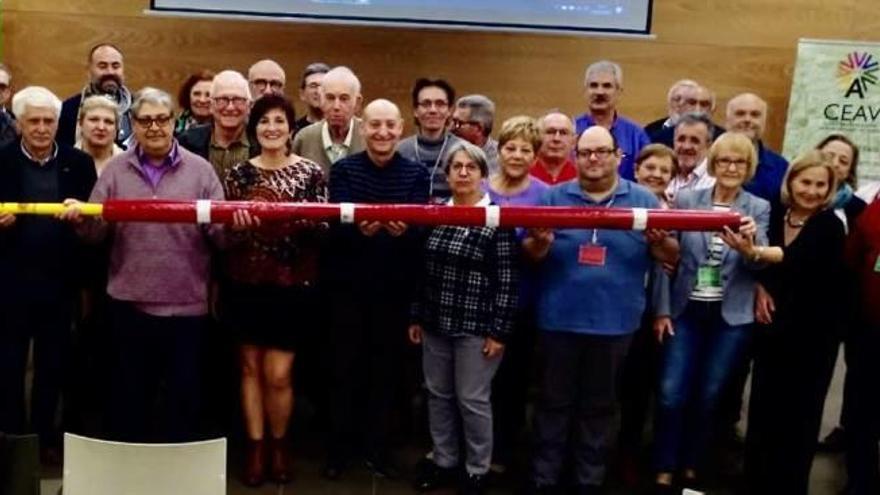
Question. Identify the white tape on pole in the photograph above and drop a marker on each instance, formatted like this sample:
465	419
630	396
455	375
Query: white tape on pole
493	216
203	211
640	218
346	212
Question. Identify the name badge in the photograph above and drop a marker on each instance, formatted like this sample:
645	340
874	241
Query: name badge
709	276
591	255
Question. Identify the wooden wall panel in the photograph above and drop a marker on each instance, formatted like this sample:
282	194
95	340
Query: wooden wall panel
729	45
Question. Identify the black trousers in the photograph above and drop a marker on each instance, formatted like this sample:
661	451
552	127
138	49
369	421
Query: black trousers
580	378
863	412
368	335
155	394
48	324
639	381
790	379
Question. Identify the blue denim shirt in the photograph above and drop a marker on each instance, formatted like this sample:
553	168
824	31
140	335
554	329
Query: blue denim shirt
596	300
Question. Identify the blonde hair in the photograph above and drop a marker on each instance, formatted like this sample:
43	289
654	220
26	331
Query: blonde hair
99	102
737	143
521	126
810	159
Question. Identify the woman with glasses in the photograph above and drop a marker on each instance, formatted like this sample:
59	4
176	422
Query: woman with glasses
806	286
269	298
704	313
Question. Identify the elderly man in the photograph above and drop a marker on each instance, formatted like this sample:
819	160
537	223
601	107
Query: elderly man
369	277
591	301
747	113
699	100
8	131
603	85
106	71
681	93
158	280
553	163
38	265
693	133
472	121
431	100
224	141
336	136
266	76
310	93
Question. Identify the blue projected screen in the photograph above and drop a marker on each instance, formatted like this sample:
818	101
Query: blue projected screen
613	16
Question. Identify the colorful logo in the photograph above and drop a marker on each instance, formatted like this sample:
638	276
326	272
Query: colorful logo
856	72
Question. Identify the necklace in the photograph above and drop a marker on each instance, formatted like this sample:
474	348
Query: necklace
794	224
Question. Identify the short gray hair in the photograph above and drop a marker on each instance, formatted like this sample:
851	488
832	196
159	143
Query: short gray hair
694	118
153	96
231	77
604	67
473	152
342	72
482	110
35	96
681	83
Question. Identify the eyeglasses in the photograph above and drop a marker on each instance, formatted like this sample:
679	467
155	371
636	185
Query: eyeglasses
147	121
557	132
223	101
458	124
438	104
261	84
600	153
727	162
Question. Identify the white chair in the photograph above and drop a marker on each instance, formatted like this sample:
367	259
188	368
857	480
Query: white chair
98	467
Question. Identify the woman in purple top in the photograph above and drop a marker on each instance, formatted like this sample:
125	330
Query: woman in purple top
513	185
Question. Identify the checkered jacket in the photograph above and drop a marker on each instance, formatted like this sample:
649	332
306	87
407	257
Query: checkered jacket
469	283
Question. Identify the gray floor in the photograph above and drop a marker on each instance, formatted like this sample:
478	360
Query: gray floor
827	475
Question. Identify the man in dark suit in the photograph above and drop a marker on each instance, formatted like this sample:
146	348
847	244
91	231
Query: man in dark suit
38	265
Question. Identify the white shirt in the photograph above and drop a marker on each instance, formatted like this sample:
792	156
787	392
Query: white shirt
336	151
699	178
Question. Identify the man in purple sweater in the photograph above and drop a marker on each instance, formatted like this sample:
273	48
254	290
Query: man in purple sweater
157	281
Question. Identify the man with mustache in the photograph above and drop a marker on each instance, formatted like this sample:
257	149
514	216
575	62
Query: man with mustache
106	71
693	135
603	85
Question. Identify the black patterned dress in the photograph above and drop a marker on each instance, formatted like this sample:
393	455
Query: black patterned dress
273	271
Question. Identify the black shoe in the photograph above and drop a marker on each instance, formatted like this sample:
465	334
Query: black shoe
474	484
430	476
834	441
382	467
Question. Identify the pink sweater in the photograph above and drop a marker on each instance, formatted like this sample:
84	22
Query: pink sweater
164	269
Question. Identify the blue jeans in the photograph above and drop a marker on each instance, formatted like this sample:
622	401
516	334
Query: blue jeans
697	362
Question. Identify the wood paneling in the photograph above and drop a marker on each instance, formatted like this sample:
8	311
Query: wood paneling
729	45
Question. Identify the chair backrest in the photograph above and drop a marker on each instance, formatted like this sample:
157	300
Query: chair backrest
99	467
19	464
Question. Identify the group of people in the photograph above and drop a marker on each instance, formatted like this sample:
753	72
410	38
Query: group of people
613	320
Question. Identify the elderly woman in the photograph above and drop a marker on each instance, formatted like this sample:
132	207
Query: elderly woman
462	316
271	276
157	280
194	99
98	121
805	287
518	141
656	165
705	312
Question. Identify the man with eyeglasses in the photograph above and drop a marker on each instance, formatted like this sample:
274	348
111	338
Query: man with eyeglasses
472	121
310	93
553	163
603	85
336	136
266	77
106	69
8	132
431	100
224	141
591	302
685	97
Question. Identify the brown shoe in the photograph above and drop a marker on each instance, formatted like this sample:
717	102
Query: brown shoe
279	470
254	463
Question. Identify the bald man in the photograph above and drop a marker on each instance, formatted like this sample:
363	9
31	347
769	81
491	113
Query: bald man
336	135
369	275
266	76
599	277
224	141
